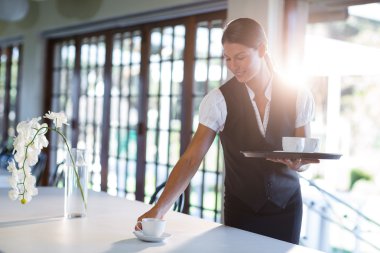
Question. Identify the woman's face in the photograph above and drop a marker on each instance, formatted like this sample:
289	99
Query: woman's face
244	62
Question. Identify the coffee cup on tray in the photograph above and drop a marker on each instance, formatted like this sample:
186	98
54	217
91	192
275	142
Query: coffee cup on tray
300	144
293	144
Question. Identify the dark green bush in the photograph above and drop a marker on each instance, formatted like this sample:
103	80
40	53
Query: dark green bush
358	174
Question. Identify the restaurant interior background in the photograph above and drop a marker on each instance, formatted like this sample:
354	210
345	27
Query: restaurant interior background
130	76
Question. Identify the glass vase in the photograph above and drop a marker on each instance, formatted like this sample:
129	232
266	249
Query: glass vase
76	178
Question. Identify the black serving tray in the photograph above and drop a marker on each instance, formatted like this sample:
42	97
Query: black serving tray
290	155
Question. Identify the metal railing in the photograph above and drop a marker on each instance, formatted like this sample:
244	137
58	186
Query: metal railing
327	213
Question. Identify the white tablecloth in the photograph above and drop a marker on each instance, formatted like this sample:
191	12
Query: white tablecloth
39	227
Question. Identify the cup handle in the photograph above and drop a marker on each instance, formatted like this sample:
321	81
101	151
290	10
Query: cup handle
137	226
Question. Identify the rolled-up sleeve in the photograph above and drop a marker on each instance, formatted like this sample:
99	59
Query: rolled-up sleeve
305	107
213	110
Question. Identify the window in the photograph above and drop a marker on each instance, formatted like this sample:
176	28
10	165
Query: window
132	98
10	68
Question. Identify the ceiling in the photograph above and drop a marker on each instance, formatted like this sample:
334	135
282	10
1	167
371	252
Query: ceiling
332	5
320	10
332	10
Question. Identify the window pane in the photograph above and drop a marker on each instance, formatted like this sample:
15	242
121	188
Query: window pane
165	88
9	81
123	113
206	187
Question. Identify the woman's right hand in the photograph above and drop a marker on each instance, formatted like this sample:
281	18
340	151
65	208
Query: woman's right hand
152	213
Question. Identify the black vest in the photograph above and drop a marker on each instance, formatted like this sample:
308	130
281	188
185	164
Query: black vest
255	180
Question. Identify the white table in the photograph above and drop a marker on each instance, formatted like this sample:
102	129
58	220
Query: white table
40	227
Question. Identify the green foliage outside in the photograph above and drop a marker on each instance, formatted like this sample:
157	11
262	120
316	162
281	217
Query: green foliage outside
339	250
358	174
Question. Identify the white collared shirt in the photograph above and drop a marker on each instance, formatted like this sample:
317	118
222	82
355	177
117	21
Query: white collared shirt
213	109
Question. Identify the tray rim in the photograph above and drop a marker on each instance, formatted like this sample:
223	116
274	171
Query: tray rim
283	154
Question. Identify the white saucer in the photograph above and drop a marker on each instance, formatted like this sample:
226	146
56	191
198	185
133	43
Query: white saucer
146	238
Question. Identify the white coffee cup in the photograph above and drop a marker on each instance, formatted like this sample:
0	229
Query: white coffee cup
293	144
152	226
311	145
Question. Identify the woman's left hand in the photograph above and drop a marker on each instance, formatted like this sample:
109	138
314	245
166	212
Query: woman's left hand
295	164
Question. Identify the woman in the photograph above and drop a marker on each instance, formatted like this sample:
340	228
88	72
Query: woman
251	111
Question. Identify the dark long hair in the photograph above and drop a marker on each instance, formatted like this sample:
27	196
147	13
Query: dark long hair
247	32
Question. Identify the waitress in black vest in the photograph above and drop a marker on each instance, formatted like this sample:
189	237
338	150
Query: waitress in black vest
251	111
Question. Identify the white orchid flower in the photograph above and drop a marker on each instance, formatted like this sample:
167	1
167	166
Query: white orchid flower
19	143
12	180
40	142
11	166
32	159
22	127
13	194
27	169
27	146
58	118
26	198
33	191
21	188
30	188
30	180
19	157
